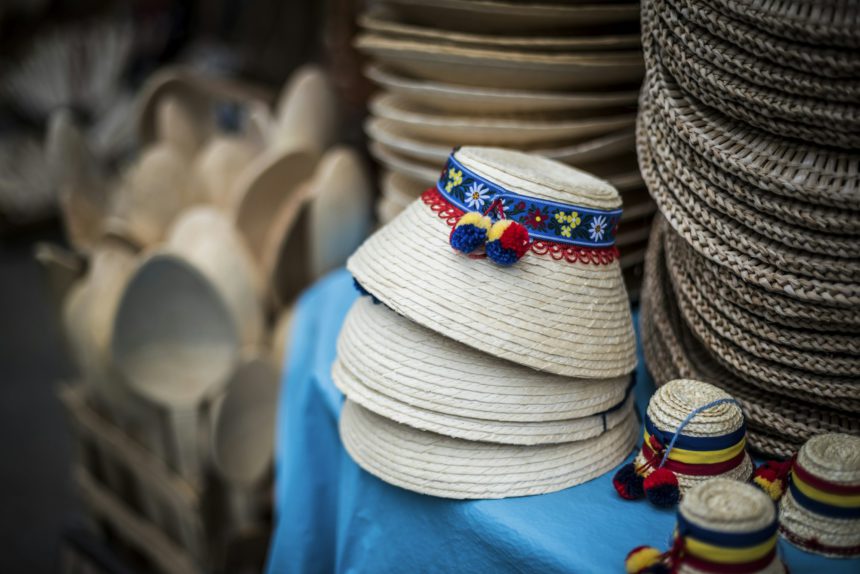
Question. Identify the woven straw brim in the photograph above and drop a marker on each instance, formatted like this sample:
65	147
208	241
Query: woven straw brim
476	429
504	68
437	465
412	364
779	100
777	426
603	150
782	310
824	352
808	530
794	170
729	507
400	190
418	122
405	166
825	61
571	319
827	23
505	17
845	291
708	229
382	24
677	36
705	194
743	472
446	96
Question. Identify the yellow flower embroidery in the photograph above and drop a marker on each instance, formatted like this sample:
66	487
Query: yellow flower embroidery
573	219
561	217
455	175
565	231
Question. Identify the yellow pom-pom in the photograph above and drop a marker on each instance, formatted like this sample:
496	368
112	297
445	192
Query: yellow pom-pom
773	488
498	229
640	558
475	218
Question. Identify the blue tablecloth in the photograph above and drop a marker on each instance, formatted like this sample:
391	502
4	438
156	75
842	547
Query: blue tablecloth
332	516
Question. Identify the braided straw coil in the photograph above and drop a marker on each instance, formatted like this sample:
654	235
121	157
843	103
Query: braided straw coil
437	465
777	426
836	459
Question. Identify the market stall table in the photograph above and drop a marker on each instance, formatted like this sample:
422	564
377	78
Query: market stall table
332	516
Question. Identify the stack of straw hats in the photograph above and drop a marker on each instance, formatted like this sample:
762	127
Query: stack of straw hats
747	140
467	378
723	526
693	432
558	79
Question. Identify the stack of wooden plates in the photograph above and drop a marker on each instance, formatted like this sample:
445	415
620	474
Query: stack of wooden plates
561	80
748	141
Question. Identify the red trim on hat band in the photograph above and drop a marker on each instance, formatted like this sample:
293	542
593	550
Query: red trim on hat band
652	459
822	484
570	253
815	545
725	568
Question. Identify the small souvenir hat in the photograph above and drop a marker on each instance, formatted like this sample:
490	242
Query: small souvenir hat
820	512
693	432
512	254
415	376
723	526
438	465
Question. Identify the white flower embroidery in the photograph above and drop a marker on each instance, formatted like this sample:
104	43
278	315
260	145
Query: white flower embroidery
476	195
598	228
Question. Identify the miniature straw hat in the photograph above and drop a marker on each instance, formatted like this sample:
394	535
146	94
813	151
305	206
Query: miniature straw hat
693	432
778	425
438	465
415	376
820	512
549	295
723	526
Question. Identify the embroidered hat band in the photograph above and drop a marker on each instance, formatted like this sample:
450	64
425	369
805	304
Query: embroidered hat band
545	220
715	551
823	497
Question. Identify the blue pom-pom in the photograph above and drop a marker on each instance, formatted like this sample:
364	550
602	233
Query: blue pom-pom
500	255
661	488
467	238
628	482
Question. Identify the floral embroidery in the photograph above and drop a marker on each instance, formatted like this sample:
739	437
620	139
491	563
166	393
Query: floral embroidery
536	219
545	220
598	227
477	195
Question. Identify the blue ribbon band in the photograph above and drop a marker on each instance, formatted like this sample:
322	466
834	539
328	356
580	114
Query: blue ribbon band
726	539
545	220
818	507
697	443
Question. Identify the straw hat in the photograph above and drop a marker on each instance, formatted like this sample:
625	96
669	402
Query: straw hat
820	512
382	23
419	122
501	16
437	465
778	425
723	525
505	68
415	376
553	310
693	432
483	99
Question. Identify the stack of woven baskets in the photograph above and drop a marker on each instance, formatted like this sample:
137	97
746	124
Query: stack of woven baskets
748	140
557	79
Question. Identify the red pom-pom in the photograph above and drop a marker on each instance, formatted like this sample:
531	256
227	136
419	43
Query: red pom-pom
516	238
661	488
628	482
771	477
